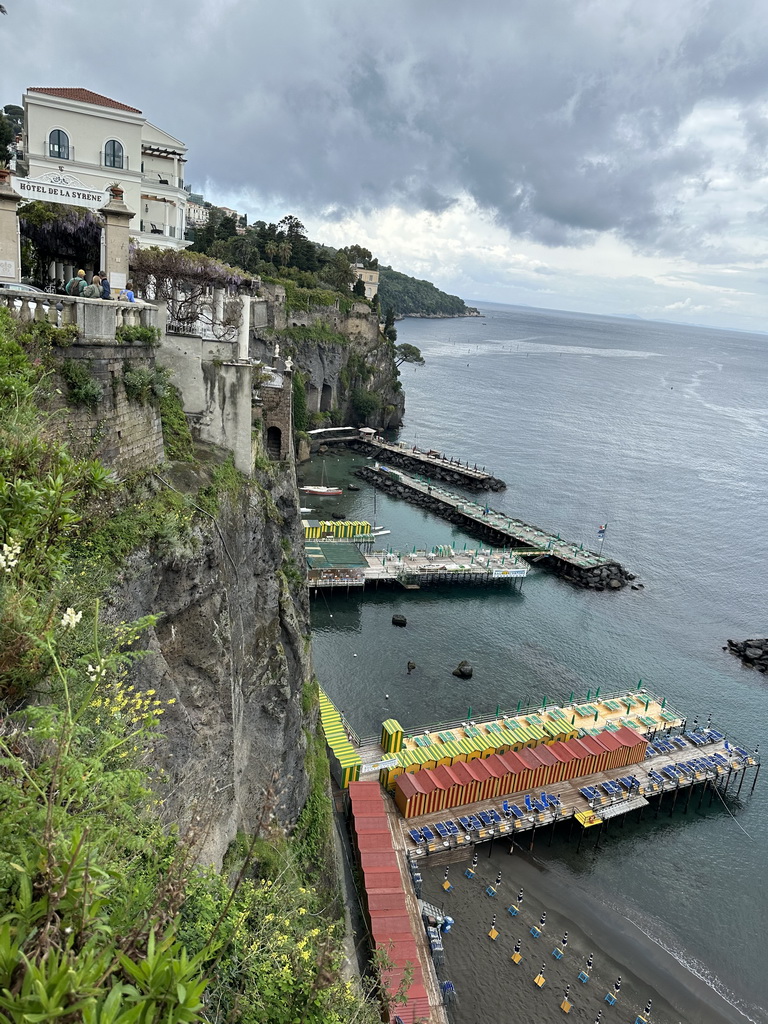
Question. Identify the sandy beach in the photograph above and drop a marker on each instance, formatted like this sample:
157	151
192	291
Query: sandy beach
491	989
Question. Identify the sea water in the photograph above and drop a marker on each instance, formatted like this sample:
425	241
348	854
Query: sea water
660	431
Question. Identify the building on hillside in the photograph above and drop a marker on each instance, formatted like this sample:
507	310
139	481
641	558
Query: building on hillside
198	210
369	277
75	139
241	220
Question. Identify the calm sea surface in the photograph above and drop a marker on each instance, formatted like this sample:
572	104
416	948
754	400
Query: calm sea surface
662	432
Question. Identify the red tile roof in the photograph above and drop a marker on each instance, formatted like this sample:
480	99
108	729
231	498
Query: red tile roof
86	96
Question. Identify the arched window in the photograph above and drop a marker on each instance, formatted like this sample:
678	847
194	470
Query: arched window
113	154
58	145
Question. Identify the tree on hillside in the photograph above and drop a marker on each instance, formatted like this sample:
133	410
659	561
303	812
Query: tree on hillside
292	228
389	325
270	250
339	273
359	288
406	353
358	254
7	135
284	250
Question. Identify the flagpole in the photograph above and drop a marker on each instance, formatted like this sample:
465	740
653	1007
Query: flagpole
602	541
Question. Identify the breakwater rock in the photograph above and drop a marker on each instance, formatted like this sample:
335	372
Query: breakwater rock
752	652
605	576
444	472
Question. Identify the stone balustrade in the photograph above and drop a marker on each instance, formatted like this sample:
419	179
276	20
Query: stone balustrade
96	319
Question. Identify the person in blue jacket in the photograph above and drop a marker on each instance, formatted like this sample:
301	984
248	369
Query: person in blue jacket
106	291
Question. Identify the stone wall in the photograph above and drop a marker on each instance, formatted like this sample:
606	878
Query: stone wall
753	653
124	434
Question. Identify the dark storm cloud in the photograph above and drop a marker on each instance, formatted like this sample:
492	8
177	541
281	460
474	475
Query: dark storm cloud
559	118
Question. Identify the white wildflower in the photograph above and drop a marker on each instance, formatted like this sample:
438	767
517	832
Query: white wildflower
9	555
96	672
71	618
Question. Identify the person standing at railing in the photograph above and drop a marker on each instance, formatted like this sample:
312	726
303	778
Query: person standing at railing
76	285
93	290
106	291
126	294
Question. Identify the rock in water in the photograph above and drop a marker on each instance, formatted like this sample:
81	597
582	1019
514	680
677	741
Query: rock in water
463	670
399	620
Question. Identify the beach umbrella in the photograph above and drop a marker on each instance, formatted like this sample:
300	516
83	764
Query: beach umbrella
517	946
469	713
493	922
617	986
498	879
590	960
543	919
573	719
520	897
564	941
589	694
599	1016
596	715
597	693
664	702
647	1010
543	703
518	706
565	995
571	697
474	860
445	877
498	710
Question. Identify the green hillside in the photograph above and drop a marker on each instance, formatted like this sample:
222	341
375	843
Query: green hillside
408	296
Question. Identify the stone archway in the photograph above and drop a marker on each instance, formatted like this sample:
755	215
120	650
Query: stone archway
274	443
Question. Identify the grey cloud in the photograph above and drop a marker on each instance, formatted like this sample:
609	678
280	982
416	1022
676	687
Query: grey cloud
557	118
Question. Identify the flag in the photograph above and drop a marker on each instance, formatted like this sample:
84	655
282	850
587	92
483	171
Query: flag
601	530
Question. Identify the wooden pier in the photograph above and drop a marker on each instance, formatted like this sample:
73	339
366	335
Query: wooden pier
578	810
334	564
431	463
567	558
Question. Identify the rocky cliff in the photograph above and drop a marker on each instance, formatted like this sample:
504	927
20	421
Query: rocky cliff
232	648
340	355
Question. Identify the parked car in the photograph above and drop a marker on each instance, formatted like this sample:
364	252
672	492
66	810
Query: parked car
21	287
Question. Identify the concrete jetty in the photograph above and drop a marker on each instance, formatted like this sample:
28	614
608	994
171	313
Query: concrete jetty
431	463
576	564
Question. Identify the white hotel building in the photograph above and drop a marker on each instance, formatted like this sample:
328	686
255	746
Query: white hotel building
79	139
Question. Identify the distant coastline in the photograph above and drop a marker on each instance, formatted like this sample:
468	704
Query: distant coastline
470	311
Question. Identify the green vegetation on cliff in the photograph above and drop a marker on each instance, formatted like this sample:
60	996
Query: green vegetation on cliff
105	917
407	296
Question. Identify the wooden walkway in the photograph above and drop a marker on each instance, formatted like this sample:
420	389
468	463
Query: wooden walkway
433	460
512	532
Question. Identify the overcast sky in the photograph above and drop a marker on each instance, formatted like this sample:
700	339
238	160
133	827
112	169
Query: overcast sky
598	155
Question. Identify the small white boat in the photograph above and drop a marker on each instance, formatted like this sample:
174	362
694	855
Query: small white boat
379	531
306	511
322	488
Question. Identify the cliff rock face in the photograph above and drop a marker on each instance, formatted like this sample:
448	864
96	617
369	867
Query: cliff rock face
361	359
232	648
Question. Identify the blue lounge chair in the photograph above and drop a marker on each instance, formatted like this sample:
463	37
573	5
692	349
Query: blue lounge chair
495	816
485	817
427	832
415	835
505	807
540	807
589	792
716	736
441	830
553	801
527	802
516	811
466	824
476	821
452	827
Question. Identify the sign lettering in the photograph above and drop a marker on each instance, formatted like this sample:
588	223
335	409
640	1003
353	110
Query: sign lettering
51	192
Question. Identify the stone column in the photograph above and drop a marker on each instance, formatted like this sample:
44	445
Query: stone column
244	333
10	251
116	239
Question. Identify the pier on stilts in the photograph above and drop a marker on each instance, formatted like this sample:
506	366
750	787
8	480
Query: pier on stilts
347	565
545	781
573	561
